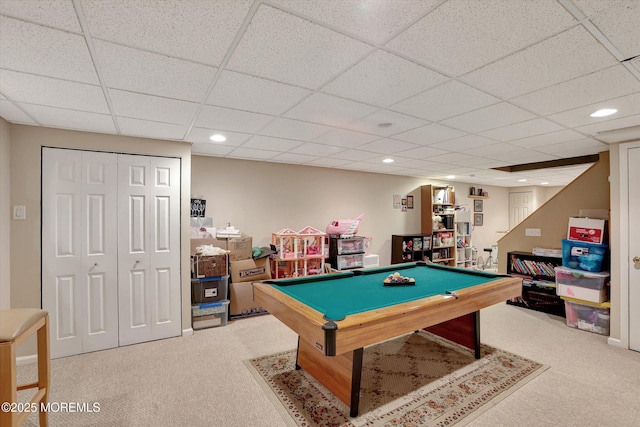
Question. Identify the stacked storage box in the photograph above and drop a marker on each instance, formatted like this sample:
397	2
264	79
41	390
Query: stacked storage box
209	294
580	281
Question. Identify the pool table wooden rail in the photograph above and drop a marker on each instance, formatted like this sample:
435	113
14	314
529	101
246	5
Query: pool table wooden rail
370	327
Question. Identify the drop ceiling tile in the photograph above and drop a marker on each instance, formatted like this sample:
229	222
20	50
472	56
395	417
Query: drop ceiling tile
345	138
312	149
44	51
382	79
328	162
22	87
447	100
399	123
151	129
329	110
202	135
154	108
588	145
628	105
414	163
252	154
144	72
636	64
354	155
611	125
70	119
293	158
491	117
283	47
387	146
13	114
547	139
522	156
617	20
429	134
463	143
243	92
595	87
522	130
294	129
488	151
233	120
462	35
451	158
424	153
200	31
210	149
565	56
52	13
272	144
375	22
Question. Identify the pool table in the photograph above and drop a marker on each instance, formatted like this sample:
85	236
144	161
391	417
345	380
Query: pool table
337	315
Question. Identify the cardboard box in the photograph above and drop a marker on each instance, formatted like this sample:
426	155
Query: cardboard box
587	230
222	244
250	270
242	304
208	266
239	248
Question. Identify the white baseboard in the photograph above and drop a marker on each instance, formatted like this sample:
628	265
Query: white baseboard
616	342
26	360
187	332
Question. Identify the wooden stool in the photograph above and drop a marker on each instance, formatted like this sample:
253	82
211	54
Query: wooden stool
16	325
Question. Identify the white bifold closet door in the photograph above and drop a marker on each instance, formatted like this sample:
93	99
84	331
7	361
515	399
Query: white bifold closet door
148	248
110	249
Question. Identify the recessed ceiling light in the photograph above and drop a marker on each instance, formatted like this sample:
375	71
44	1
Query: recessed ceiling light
387	161
218	138
604	112
544	183
522	180
450	176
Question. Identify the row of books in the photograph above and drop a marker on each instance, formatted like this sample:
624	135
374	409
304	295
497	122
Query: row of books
532	268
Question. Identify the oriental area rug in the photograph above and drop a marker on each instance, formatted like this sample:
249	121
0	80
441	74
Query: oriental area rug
418	379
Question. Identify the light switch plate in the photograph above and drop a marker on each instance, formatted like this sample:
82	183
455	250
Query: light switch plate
19	212
532	232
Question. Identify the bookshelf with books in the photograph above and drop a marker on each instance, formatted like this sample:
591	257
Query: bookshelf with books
410	247
539	284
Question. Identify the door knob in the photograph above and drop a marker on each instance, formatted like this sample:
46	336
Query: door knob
636	259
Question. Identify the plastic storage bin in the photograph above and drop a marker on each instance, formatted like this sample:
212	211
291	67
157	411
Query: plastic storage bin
210	315
209	289
590	318
583	255
581	284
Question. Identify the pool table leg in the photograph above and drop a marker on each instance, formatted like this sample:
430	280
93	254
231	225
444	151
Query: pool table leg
476	333
356	377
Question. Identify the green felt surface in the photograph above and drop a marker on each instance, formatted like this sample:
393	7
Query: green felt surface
340	295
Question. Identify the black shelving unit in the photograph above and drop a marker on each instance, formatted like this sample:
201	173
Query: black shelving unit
539	282
410	247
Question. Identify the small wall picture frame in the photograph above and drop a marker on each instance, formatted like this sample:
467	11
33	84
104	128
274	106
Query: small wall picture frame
478	219
478	205
409	202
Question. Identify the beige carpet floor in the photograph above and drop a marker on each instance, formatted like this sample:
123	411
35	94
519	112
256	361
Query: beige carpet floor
202	379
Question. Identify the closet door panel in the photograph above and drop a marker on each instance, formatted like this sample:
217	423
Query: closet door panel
99	251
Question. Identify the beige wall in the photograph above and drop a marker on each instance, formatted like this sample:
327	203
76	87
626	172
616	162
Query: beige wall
588	191
26	143
591	190
260	198
5	215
